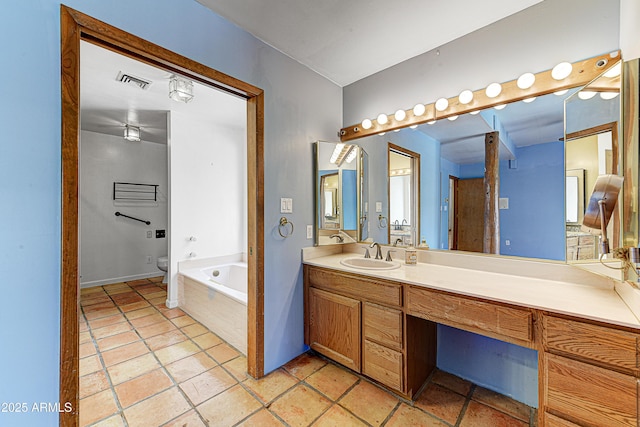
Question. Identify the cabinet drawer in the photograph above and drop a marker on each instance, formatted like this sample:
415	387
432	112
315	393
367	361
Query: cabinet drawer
356	286
592	342
588	394
383	325
509	324
383	364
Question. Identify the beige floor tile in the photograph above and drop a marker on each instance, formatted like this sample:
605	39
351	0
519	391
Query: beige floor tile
262	418
441	402
479	415
304	365
229	407
96	407
146	385
194	330
300	406
117	340
155	329
156	279
92	291
190	419
502	403
149	289
369	402
338	416
331	381
112	421
272	385
124	353
190	366
452	382
127	298
106	321
207	384
107	331
154	295
103	305
132	368
237	367
87	349
151	319
207	340
183	321
158	302
138	282
135	314
117	289
134	306
157	410
176	351
166	339
90	315
85	337
405	415
223	353
97	298
89	365
172	313
93	383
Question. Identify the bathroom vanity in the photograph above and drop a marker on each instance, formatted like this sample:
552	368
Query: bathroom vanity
382	324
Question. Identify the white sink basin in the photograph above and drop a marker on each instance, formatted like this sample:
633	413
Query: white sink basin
369	263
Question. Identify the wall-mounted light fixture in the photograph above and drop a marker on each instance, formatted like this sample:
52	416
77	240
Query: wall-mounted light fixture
131	133
526	88
180	89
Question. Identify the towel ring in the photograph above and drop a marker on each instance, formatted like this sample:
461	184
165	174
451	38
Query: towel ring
283	226
382	221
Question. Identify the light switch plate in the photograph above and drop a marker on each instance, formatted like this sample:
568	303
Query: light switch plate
286	205
503	203
378	207
309	231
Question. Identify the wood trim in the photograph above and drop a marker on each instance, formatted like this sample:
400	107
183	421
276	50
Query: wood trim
491	239
583	72
416	183
76	26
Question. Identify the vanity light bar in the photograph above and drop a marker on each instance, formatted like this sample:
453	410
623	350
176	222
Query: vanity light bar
583	72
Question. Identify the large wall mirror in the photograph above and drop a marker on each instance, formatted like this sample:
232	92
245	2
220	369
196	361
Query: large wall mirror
340	193
537	183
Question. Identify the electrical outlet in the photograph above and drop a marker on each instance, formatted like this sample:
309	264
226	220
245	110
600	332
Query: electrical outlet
149	259
149	234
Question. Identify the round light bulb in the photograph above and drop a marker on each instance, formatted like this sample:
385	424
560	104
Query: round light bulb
452	118
465	97
608	95
442	104
613	71
493	90
473	113
419	110
561	71
381	133
400	115
586	94
528	100
526	80
561	92
382	119
431	122
413	127
367	124
500	107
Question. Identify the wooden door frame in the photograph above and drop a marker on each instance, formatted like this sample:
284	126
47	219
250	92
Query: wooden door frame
74	27
453	212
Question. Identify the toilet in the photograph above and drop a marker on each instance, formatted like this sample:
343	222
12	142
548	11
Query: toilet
163	264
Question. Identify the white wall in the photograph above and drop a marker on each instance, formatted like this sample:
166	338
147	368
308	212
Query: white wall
208	180
114	249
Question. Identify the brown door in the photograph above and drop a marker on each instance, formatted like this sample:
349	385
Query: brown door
469	215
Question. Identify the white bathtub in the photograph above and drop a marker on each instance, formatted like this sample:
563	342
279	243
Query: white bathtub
216	296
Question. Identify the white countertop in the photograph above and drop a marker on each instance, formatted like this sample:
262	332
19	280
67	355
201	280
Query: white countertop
597	300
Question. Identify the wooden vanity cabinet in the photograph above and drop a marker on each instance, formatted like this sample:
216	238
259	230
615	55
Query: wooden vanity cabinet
359	322
589	374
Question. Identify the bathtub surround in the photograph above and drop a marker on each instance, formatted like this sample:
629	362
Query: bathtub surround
115	249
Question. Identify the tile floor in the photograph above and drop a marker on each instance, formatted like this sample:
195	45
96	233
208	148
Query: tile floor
143	364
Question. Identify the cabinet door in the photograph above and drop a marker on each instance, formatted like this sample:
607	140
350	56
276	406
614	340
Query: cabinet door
588	394
334	327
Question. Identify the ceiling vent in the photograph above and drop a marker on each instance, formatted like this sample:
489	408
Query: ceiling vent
133	80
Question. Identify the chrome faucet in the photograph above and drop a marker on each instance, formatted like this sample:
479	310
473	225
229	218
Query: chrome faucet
378	251
338	237
403	222
398	240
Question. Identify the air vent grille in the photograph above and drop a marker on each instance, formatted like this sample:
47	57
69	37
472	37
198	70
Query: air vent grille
133	80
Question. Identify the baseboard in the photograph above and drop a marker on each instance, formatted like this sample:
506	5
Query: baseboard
111	280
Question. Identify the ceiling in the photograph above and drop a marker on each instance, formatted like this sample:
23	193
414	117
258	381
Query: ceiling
106	104
346	41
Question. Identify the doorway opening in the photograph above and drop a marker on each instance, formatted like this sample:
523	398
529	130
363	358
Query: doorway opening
75	27
403	173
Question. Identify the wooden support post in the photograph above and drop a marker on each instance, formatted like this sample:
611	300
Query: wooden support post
491	243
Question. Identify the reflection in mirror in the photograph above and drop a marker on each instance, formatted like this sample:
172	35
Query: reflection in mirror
592	149
404	196
337	169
